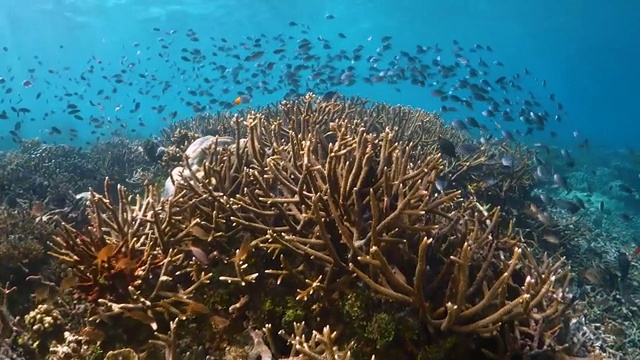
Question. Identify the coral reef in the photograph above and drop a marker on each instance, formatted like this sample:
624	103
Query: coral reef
53	174
307	229
312	200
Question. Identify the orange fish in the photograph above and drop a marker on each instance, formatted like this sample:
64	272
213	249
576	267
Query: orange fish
37	209
242	99
104	254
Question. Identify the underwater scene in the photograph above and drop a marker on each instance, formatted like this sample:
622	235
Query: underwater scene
208	179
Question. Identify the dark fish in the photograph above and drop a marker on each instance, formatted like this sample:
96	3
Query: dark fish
624	265
254	56
561	182
542	173
460	125
330	96
446	147
571	206
467	149
625	217
471	121
441	183
626	189
547	200
568	158
136	107
508	161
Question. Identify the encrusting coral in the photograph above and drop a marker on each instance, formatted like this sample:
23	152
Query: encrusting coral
313	201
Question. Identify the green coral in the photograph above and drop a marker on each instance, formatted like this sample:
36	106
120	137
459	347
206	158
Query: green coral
440	350
285	308
354	308
293	312
381	329
43	325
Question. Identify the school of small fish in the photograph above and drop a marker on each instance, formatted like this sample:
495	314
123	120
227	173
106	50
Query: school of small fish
207	74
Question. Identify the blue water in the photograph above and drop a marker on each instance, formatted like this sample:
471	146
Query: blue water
584	49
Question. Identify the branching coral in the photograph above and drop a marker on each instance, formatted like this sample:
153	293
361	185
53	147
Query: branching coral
315	188
324	197
319	346
131	261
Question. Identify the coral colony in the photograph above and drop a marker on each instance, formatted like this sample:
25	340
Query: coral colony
309	229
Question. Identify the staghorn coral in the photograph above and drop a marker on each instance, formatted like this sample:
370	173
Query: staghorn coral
326	187
319	346
128	263
315	199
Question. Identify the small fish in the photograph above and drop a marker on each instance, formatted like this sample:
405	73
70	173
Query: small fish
37	209
242	99
92	334
254	56
489	180
200	255
441	183
508	161
571	206
69	282
542	173
460	125
507	135
125	264
561	182
624	265
467	149
626	189
551	236
545	218
625	217
471	121
329	96
546	199
42	293
242	252
195	308
568	158
219	322
105	253
199	232
446	147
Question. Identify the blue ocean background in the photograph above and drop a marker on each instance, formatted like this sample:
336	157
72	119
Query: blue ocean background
584	49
